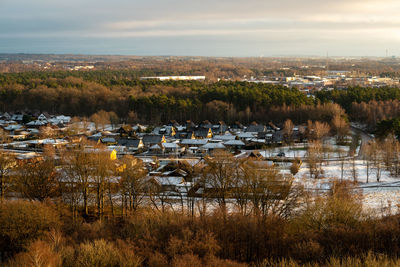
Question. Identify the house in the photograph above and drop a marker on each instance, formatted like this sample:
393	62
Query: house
37	123
126	131
189	125
152	139
173	123
13	127
255	128
234	144
245	136
211	146
42	117
193	142
219	128
237	126
108	141
165	130
225	137
255	155
131	144
95	138
166	148
18	117
203	133
176	173
172	148
6	116
157	149
59	120
277	137
170	184
184	135
205	124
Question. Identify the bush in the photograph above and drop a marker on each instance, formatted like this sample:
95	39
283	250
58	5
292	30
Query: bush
39	254
102	253
22	222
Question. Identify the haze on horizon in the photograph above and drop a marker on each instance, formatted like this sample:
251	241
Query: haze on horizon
201	28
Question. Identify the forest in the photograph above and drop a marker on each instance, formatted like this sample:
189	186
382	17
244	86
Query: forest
84	93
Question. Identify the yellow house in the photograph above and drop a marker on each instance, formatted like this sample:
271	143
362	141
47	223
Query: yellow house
113	154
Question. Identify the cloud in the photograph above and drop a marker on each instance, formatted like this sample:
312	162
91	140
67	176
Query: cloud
264	22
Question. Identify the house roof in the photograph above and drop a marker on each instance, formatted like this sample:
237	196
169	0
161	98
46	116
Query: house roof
37	123
255	128
170	145
195	142
212	146
183	135
166	130
234	143
225	137
202	132
150	139
156	147
126	128
169	180
217	128
129	142
246	135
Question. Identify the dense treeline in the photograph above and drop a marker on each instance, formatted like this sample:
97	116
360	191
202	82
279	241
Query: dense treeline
84	93
373	112
152	101
346	98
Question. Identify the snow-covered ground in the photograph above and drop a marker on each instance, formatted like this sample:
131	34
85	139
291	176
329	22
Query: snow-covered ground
382	197
300	150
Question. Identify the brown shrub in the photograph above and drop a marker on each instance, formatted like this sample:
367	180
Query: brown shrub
39	254
21	222
202	244
103	253
186	260
157	259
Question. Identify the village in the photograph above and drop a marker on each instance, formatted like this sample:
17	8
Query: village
170	140
169	153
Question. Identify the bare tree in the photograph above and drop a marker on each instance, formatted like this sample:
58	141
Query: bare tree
101	172
114	119
321	129
37	180
132	117
377	158
7	163
340	128
269	192
77	163
132	181
288	130
100	119
315	159
219	174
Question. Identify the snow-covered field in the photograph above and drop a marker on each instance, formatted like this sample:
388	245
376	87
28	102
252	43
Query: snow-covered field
332	151
382	197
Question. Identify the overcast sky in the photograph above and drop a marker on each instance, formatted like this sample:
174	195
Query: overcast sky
201	27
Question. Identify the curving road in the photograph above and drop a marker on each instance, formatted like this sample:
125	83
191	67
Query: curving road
365	138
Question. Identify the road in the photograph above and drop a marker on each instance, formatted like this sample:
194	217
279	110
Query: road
365	138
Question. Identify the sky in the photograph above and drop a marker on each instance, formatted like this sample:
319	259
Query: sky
201	28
